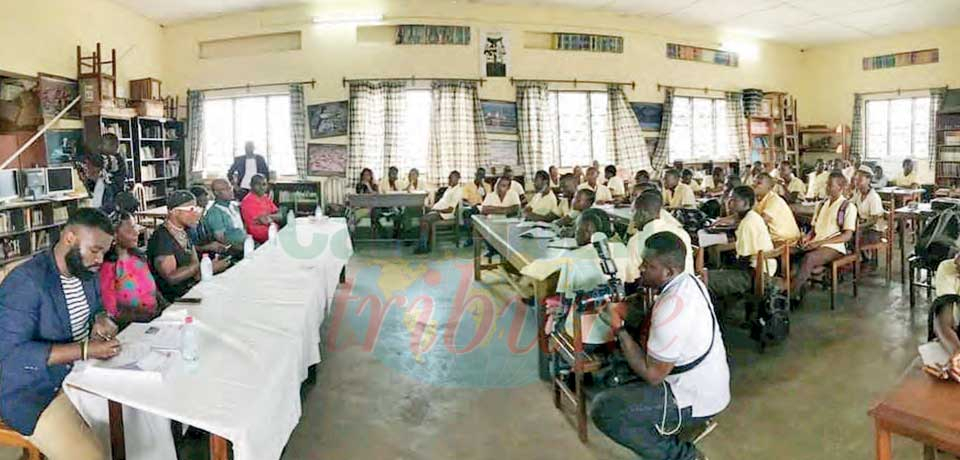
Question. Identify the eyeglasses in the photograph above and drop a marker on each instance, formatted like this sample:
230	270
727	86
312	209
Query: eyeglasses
193	208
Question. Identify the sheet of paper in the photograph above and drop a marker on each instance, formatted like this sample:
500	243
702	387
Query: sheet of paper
933	354
711	239
164	336
532	224
539	233
563	243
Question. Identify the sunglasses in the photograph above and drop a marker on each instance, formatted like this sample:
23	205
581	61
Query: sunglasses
193	208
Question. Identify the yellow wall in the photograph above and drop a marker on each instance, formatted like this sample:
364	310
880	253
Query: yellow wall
331	52
42	36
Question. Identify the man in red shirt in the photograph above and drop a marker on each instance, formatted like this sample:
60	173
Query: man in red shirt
258	210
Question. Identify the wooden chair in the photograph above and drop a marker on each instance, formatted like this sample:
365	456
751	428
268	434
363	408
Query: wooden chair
852	258
447	227
885	244
782	255
570	350
10	438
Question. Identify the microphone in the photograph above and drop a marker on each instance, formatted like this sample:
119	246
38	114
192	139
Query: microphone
602	247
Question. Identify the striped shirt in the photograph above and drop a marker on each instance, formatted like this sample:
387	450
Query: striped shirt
77	306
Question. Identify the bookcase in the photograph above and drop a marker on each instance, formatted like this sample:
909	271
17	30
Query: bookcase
29	227
823	142
948	150
773	133
95	126
300	196
159	157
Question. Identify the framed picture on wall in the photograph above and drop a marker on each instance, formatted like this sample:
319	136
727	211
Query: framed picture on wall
494	54
500	117
62	146
328	160
55	94
327	119
648	114
502	153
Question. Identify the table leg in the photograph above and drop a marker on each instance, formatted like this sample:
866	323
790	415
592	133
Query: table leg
219	448
477	253
929	452
543	358
343	274
883	442
117	445
902	227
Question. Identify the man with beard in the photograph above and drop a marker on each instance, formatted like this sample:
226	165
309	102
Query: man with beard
50	317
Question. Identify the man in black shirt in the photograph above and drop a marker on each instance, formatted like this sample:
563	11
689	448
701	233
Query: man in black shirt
173	257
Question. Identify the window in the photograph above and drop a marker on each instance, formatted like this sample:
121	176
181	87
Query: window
229	123
698	130
415	132
895	129
581	126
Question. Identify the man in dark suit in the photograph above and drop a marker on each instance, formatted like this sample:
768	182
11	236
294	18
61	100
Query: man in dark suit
245	167
51	317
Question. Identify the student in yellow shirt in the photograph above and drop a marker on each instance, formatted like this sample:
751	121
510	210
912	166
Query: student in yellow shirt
909	177
543	206
593	184
736	281
584	199
474	192
578	173
646	217
554	177
503	201
444	209
713	184
789	186
617	188
834	224
873	221
676	194
775	212
687	178
817	183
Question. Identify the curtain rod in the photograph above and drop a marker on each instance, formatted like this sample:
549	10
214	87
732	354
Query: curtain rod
412	78
312	83
900	90
575	82
705	89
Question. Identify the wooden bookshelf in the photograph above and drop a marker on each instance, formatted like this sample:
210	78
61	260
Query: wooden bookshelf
948	150
30	227
824	142
773	134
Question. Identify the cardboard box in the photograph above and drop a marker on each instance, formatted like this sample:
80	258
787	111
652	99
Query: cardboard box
145	88
149	108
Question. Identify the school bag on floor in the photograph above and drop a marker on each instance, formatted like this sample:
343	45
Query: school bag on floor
938	241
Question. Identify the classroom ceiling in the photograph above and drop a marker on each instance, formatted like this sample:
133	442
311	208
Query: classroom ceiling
799	22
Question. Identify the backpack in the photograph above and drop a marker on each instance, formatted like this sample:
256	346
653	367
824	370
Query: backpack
938	241
691	219
712	208
772	323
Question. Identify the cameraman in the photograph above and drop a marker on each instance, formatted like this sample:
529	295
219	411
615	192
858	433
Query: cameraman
678	355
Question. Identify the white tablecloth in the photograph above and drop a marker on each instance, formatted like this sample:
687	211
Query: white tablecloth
259	328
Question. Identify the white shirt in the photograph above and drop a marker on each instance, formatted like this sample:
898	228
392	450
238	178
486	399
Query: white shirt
249	172
77	306
601	192
450	199
97	199
616	186
681	333
869	207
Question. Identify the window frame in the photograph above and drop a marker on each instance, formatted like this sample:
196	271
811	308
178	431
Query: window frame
237	149
716	157
558	143
888	99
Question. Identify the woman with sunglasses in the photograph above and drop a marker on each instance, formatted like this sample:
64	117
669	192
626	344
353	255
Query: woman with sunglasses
173	258
127	288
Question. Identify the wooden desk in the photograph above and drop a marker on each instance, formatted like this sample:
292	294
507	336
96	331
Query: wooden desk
518	252
372	201
921	408
900	196
918	214
219	447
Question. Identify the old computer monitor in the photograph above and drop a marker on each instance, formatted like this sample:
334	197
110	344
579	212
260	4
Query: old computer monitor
9	185
59	180
34	183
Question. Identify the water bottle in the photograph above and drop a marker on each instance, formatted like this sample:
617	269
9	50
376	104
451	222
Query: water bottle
248	247
272	231
206	268
291	217
189	346
318	213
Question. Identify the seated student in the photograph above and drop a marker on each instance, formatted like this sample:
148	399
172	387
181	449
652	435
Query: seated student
775	212
543	206
873	221
443	209
392	183
413	183
578	173
752	237
583	200
790	187
554	177
50	317
503	201
223	221
713	184
568	192
258	210
817	181
367	183
593	184
909	177
686	176
646	217
172	256
514	185
879	180
475	191
614	182
676	194
747	176
946	311
203	240
680	359
834	223
755	171
127	288
641	177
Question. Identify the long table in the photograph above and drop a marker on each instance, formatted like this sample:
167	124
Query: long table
259	331
504	237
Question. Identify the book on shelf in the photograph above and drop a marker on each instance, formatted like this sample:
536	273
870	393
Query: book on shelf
10	248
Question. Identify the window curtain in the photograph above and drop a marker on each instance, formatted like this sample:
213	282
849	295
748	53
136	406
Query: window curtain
536	132
659	157
195	128
458	137
737	128
856	130
373	127
936	101
298	131
626	146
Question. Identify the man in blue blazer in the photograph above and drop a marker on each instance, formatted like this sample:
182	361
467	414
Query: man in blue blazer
244	167
50	317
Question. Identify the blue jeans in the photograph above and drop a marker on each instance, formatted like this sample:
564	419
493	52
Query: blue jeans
629	413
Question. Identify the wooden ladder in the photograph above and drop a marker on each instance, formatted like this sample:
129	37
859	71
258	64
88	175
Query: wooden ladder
790	140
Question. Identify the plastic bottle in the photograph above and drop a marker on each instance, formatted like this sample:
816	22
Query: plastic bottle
206	268
318	213
272	231
248	247
291	217
189	346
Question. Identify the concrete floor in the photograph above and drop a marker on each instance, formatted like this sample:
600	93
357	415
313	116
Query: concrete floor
434	381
